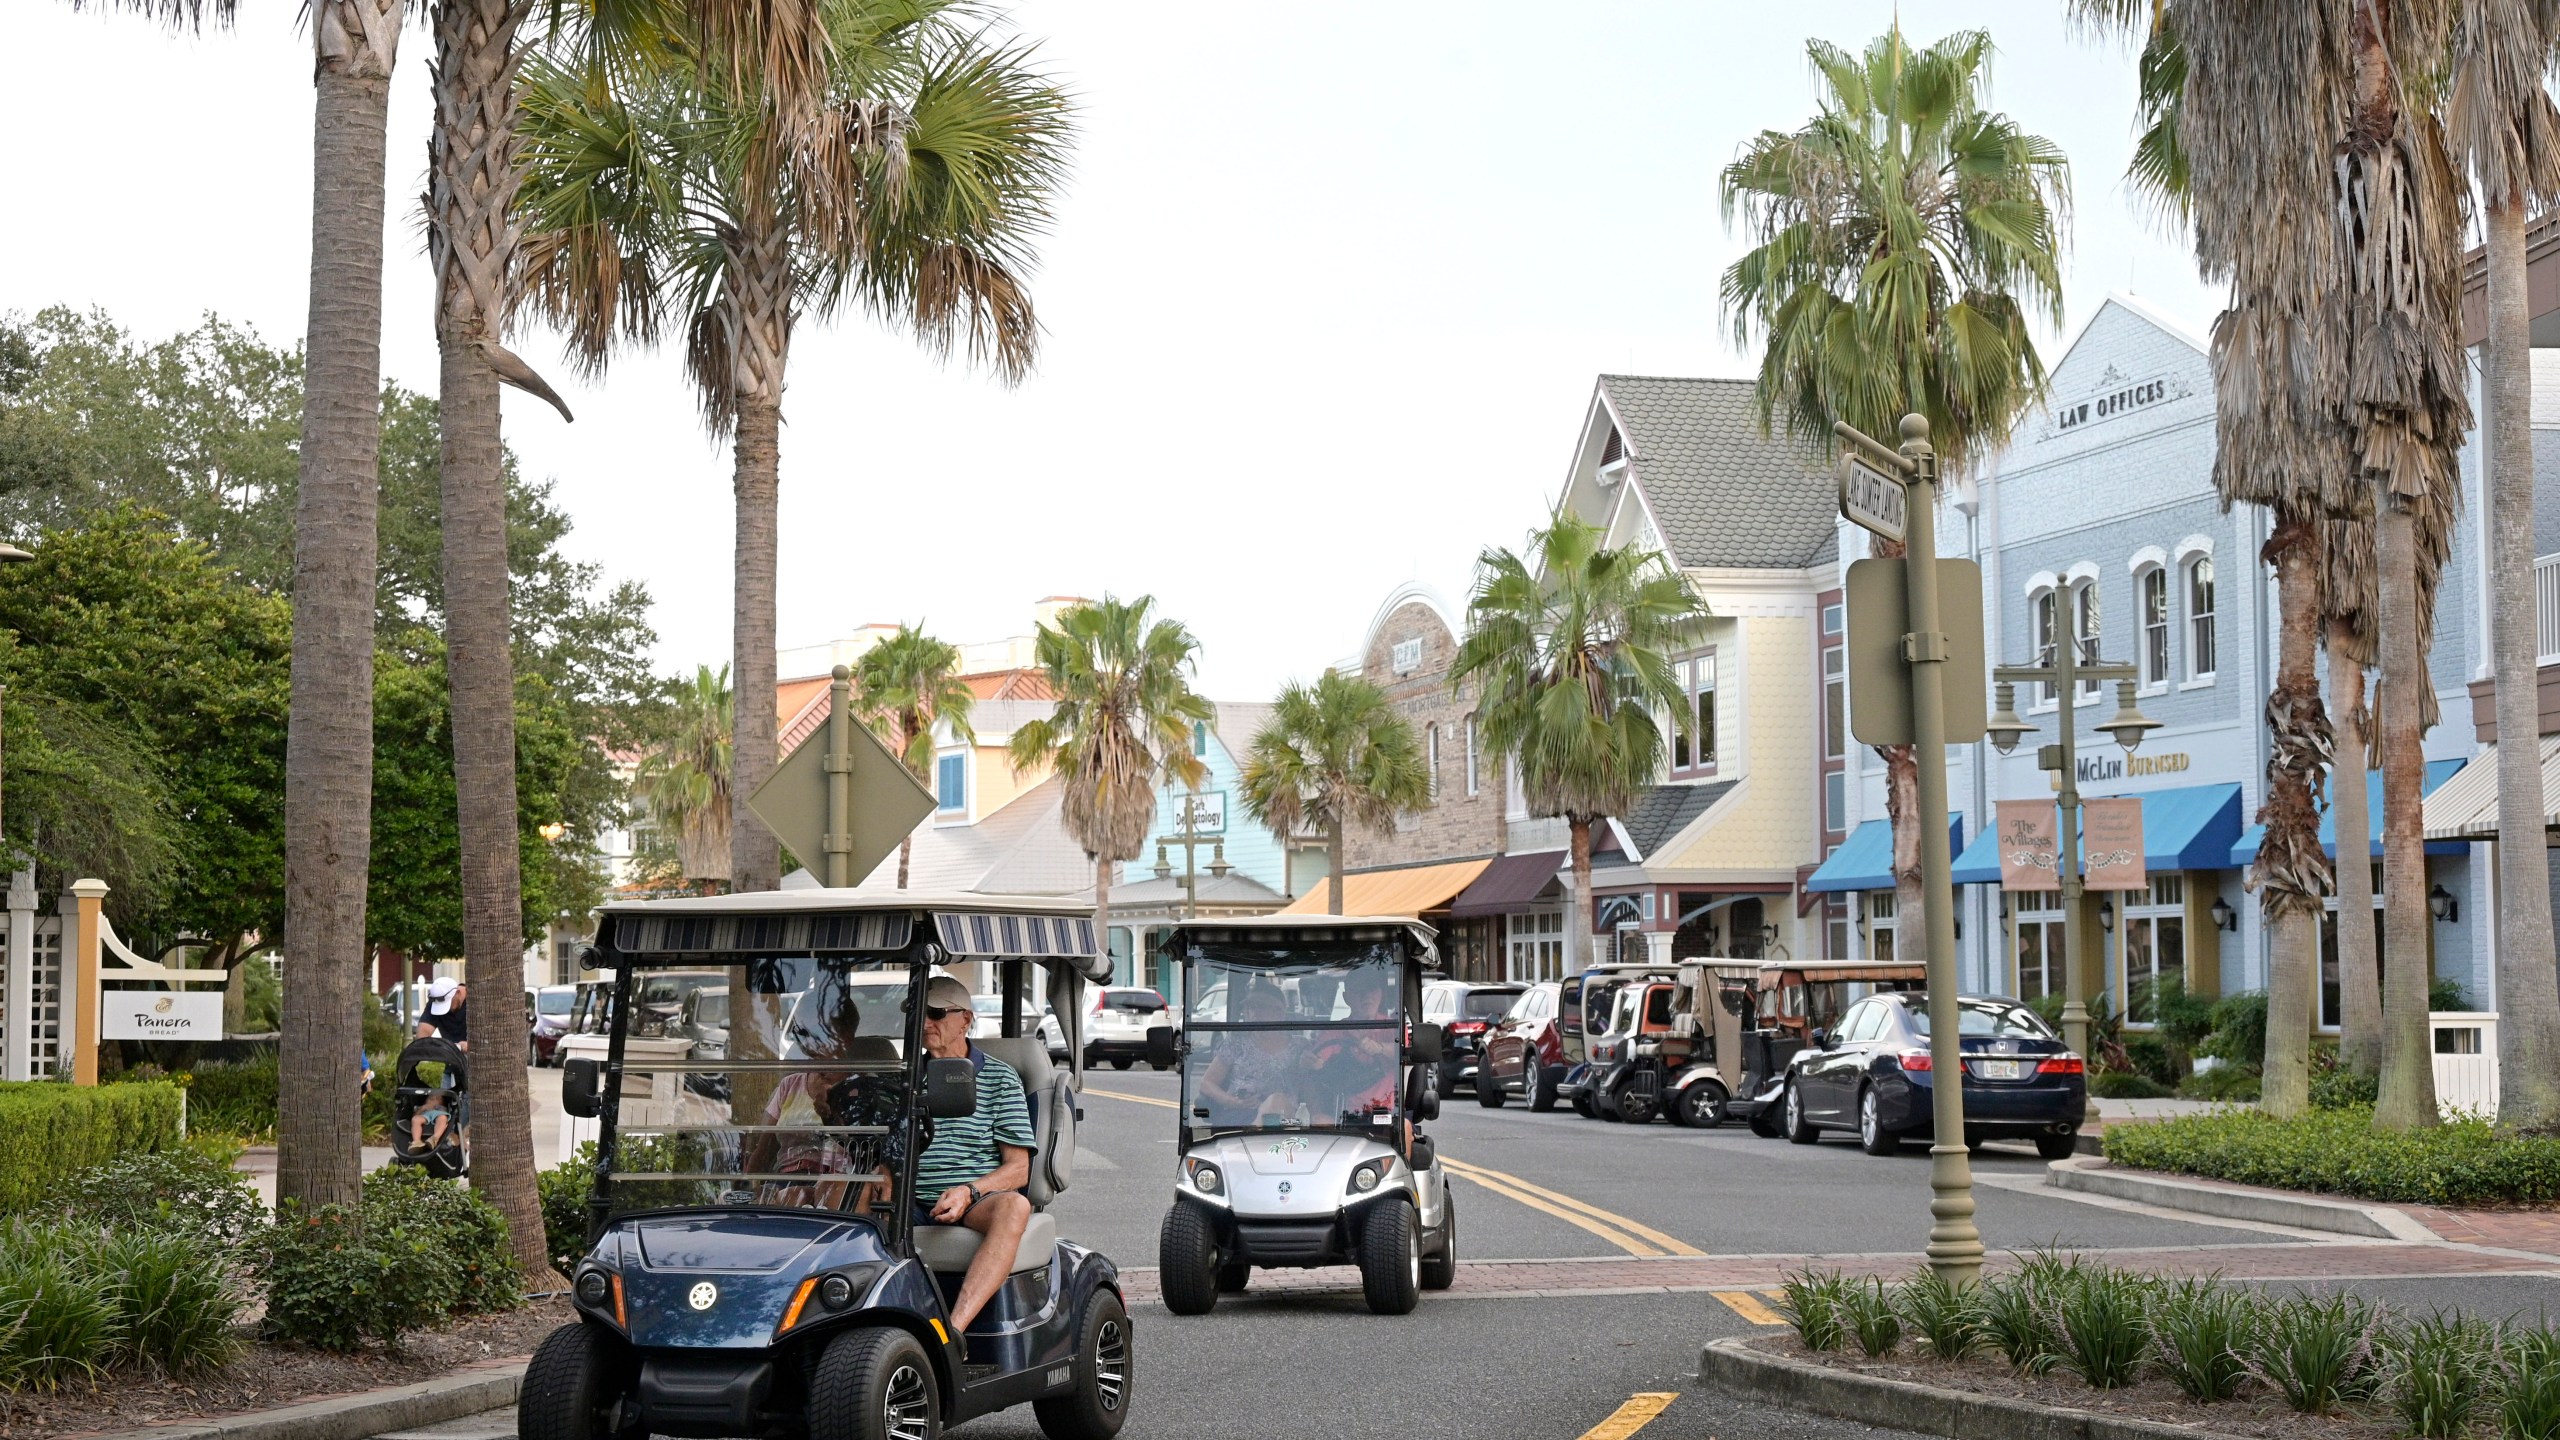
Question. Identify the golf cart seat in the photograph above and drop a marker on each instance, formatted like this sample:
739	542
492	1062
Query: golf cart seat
948	1249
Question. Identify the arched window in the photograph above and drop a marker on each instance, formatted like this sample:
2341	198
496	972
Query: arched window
2084	600
2200	618
1475	773
2151	595
1431	756
2042	625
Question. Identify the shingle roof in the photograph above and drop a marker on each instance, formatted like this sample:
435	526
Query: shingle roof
1665	810
1723	494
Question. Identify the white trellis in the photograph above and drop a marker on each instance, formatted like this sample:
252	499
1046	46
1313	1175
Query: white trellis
30	986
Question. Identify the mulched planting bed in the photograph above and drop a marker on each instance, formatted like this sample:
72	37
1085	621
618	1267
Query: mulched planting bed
2256	1413
267	1376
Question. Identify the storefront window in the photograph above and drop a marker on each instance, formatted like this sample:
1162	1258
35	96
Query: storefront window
2155	943
1880	926
2035	928
1534	946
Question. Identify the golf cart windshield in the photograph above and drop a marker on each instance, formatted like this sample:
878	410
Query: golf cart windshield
799	1101
1295	1037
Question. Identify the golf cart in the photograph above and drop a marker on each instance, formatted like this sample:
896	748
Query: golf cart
754	1267
1780	1011
1590	1015
1302	1075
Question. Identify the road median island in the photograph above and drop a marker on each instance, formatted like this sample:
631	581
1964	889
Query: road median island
469	1391
2227	1201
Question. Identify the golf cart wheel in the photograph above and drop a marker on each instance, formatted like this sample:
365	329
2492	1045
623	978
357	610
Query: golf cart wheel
576	1384
1798	1127
1390	1258
1701	1106
1187	1260
1537	1089
874	1384
1440	1271
1764	1122
1635	1107
1489	1092
2057	1147
1119	1062
1099	1404
1872	1136
1233	1277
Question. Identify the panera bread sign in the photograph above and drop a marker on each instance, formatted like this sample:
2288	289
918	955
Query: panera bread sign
160	1015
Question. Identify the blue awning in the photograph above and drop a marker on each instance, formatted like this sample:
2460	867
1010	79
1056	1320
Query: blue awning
1864	861
2188	828
2438	771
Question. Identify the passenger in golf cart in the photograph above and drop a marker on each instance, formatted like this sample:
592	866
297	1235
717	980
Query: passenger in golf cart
847	1237
428	1083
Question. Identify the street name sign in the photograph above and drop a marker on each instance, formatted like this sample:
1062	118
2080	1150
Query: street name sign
1879	671
888	802
1871	497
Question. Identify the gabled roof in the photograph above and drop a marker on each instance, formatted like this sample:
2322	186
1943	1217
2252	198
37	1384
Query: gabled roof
1665	810
1725	495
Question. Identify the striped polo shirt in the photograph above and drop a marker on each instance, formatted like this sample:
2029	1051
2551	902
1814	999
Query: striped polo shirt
965	1148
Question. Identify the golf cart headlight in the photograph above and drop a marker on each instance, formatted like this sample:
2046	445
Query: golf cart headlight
1205	1177
1364	1179
835	1292
594	1288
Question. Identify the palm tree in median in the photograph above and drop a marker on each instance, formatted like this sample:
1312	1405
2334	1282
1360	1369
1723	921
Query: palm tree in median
1334	754
1570	649
659	197
1122	721
1904	237
902	687
684	782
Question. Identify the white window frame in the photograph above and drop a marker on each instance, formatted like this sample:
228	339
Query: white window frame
2165	900
940	810
2044	632
1835	716
1879	916
2089	619
1533	946
2189	558
2150	567
1431	753
2039	908
1475	773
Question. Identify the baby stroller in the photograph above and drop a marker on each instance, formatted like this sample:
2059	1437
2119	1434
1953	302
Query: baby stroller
429	1079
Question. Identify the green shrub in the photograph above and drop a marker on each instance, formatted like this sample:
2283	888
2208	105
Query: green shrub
445	1224
2229	1084
2201	1333
2529	1398
2320	1353
2460	1162
57	1314
2154	1061
1945	1317
2443	994
2440	1371
48	1130
182	1190
2126	1085
2239	1033
235	1099
1816	1306
2102	1321
2019	1309
413	1252
1869	1309
178	1298
2335	1087
565	1189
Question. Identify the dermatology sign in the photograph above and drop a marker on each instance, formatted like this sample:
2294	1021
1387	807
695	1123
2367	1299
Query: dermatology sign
160	1015
2027	847
2111	839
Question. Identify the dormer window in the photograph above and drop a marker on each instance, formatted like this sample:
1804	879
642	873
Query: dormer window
1613	460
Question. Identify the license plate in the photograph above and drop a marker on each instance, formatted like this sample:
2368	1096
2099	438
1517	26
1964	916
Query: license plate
1999	1069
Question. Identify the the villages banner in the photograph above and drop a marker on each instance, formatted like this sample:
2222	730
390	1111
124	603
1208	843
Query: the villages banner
2111	838
2026	837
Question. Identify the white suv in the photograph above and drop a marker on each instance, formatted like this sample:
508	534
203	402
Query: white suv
1115	1029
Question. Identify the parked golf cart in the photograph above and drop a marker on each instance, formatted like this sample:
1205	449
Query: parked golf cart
754	1266
1588	1017
1303	1072
1784	1006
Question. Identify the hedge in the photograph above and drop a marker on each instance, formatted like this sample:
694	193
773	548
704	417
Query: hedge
2460	1162
49	1130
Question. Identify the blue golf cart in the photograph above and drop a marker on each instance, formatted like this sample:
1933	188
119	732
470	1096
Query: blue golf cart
754	1268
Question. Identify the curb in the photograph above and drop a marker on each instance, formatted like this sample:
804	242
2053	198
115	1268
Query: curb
467	1391
2266	1207
1733	1367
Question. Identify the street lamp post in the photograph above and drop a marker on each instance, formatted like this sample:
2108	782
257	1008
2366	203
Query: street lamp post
2006	729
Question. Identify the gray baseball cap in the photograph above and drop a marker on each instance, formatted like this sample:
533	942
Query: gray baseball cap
946	992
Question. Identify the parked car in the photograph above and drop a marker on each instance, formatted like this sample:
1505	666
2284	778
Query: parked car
1466	1011
990	1025
1524	1051
1115	1029
550	1008
1874	1075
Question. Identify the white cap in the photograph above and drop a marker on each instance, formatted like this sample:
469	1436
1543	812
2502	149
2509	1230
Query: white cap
440	995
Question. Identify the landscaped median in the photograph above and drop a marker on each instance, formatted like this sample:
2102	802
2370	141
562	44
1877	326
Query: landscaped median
2339	1152
2062	1348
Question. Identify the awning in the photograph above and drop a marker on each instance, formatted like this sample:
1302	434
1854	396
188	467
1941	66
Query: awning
2191	827
2438	771
1864	861
2466	806
1509	882
1409	890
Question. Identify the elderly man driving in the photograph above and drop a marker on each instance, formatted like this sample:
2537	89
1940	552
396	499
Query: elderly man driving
973	1172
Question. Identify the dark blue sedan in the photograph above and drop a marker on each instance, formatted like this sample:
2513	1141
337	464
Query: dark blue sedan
1872	1074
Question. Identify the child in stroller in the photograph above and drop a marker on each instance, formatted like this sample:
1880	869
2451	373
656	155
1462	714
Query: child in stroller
430	1114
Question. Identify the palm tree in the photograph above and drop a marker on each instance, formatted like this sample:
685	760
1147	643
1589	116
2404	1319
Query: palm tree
2503	125
1905	236
657	196
2347	603
684	781
1334	754
1123	721
1570	648
902	686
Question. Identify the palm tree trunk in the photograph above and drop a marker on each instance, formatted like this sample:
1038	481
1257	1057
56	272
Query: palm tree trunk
1902	806
2528	985
1102	912
1577	911
2359	973
2408	1094
2291	874
755	855
906	849
329	723
1333	864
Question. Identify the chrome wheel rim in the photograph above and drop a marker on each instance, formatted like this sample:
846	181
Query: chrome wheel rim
1867	1122
1412	1256
1795	1110
1110	1364
906	1406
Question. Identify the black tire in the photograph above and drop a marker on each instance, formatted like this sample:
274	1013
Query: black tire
2057	1147
1635	1109
1794	1123
1489	1092
1585	1107
1764	1122
579	1376
1701	1106
1538	1087
1119	1062
874	1383
1234	1277
1160	1067
1872	1136
1440	1271
1099	1404
1187	1260
1390	1258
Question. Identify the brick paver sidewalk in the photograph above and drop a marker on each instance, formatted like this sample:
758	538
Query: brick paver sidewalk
2534	1230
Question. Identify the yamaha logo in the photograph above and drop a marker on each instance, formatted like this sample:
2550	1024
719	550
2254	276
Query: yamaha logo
702	1295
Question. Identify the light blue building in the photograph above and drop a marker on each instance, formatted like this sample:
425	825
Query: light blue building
1234	865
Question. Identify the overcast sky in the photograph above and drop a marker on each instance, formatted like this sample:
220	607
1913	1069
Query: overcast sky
1324	303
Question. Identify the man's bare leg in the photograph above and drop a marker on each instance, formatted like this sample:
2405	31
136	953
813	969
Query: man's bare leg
1002	1219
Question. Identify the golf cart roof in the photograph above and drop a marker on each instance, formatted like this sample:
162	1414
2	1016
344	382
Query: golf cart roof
1780	973
1044	928
1282	929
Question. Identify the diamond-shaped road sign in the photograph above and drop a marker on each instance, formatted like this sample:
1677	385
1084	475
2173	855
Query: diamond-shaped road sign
888	803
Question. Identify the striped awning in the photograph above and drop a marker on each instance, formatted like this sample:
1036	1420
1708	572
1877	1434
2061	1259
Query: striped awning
642	933
2466	806
1029	936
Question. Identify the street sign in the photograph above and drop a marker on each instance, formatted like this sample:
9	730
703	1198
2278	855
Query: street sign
1871	497
887	804
1879	671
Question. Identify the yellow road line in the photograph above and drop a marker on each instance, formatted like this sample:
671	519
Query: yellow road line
1633	1416
1136	1099
1628	1243
1669	1244
1749	1306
